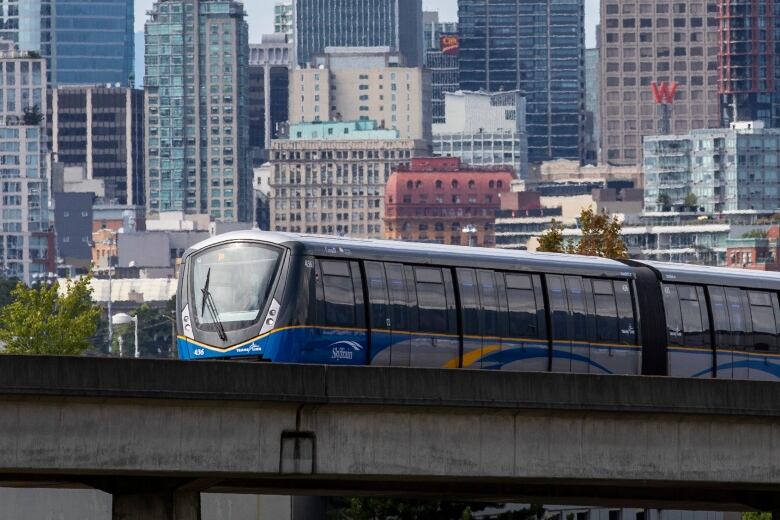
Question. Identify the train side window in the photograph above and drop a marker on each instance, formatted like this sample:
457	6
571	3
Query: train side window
720	317
339	293
625	307
399	303
674	328
522	306
738	318
377	295
575	291
606	311
691	313
469	299
431	299
762	312
489	297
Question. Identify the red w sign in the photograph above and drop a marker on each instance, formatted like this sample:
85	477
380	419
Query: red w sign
664	93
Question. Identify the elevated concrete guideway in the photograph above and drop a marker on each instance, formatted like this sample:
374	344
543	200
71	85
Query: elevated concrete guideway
157	433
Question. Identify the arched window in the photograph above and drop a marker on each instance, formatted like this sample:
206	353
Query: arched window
454	185
492	184
418	184
439	226
500	184
439	185
409	185
472	184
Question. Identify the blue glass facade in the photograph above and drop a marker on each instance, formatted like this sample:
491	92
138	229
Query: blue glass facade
538	48
94	41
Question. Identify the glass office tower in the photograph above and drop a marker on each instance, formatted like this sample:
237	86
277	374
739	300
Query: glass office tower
28	23
94	42
538	48
197	117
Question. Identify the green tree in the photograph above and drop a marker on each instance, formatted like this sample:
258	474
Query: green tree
691	200
664	200
600	237
756	516
42	321
32	116
371	508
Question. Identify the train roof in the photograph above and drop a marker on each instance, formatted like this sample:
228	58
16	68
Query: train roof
424	253
706	275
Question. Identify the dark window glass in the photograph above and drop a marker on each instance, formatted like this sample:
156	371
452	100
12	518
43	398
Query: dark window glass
522	307
377	295
575	291
431	299
691	313
399	303
674	328
339	293
762	312
489	297
606	311
467	284
625	308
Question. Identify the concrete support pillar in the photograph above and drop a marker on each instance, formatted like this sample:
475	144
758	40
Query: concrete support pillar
161	505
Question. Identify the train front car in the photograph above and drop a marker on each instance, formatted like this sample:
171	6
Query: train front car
230	296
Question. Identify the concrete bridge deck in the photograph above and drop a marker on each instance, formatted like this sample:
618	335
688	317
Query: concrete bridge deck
156	433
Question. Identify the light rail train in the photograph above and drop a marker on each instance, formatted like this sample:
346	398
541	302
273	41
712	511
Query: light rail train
309	299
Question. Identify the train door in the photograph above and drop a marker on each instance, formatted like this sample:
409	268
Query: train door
764	363
739	318
437	343
524	346
492	331
399	293
578	327
380	323
561	324
341	337
471	319
690	350
721	324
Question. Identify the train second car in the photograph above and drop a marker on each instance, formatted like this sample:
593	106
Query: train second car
308	299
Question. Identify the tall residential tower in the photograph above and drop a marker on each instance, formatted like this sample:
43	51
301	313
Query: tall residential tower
197	118
538	48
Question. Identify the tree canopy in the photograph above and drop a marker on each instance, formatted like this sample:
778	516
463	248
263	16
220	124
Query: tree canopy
43	321
155	332
371	508
600	237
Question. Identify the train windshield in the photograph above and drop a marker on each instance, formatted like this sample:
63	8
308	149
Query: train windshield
231	285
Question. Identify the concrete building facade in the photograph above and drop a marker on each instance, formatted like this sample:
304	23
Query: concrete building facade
442	201
197	117
395	24
330	181
731	169
538	48
484	129
368	84
662	41
101	129
27	244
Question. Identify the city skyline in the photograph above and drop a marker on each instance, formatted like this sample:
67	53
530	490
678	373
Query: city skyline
261	16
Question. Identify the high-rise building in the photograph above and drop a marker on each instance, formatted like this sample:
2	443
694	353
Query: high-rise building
363	83
94	42
749	61
197	117
442	201
433	29
330	177
661	41
538	48
101	129
441	58
26	242
396	24
592	106
270	63
483	129
284	21
716	170
83	41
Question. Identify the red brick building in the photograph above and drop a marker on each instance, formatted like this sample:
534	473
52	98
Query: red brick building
441	201
760	253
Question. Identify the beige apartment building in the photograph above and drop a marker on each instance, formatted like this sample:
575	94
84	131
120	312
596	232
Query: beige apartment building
329	178
352	84
646	41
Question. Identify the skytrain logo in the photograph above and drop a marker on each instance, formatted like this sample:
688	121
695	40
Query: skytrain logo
345	349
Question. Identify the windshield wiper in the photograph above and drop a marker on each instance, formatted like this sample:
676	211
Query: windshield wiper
208	303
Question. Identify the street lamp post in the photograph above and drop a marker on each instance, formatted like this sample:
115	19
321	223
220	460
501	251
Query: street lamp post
125	319
471	232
